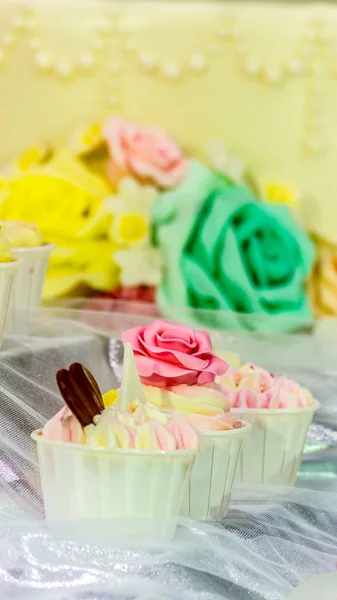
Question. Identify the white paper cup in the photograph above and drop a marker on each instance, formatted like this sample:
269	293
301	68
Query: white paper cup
123	494
209	489
323	587
273	452
27	289
8	272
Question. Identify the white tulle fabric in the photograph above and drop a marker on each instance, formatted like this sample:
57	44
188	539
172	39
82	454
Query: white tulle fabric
272	540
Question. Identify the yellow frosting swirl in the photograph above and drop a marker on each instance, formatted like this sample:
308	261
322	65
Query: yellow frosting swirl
197	399
145	428
20	234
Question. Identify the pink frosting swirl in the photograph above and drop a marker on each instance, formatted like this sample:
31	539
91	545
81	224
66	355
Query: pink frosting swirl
254	387
64	427
168	354
148	154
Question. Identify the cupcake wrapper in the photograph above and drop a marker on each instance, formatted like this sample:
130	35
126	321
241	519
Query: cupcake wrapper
210	485
27	290
135	494
273	453
8	273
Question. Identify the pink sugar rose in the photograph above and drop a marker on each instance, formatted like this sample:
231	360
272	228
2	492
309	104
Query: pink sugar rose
148	154
168	354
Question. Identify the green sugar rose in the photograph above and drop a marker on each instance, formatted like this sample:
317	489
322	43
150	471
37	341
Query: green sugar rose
225	251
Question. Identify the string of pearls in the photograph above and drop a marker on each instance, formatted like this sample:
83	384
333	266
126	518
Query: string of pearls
252	66
9	38
198	62
314	58
195	63
114	80
65	67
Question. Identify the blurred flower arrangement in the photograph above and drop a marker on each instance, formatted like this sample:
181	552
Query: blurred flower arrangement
135	218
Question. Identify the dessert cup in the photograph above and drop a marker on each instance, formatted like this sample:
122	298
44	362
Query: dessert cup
123	494
209	489
27	289
273	452
8	273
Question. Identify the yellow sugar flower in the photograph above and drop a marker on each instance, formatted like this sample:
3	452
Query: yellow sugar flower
323	281
32	157
61	197
280	193
132	228
131	213
87	139
140	266
79	263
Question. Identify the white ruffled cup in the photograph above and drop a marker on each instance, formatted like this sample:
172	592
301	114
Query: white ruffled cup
8	273
27	289
123	494
272	454
209	489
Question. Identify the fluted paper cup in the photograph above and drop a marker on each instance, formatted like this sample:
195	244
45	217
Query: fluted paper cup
8	272
273	453
209	489
122	494
27	290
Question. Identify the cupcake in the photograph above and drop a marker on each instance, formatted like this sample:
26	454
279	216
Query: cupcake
26	243
178	371
123	467
280	412
8	272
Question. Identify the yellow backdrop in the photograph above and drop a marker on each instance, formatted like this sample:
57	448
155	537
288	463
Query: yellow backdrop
261	79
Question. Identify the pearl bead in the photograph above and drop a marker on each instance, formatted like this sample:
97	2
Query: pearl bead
43	61
31	24
315	22
129	45
314	144
314	107
316	87
115	66
273	74
317	69
97	43
222	32
113	101
316	120
86	61
295	65
170	70
197	62
305	50
64	69
8	39
213	48
35	43
252	65
104	26
311	36
147	60
236	33
323	37
241	50
18	23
